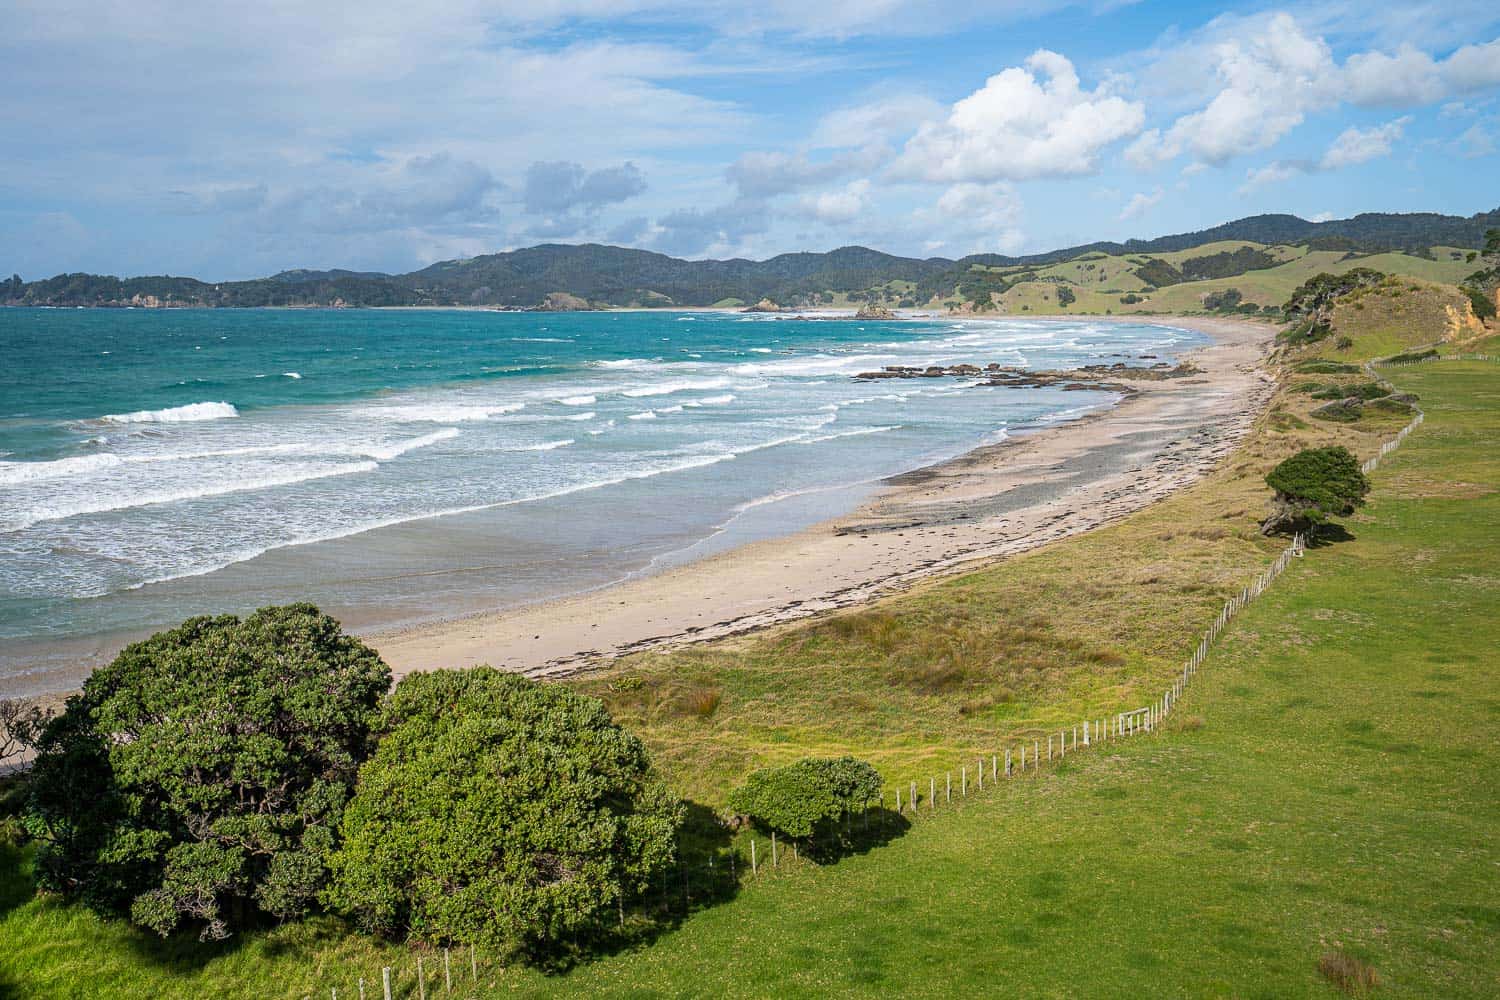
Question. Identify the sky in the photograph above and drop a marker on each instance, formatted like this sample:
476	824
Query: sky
229	140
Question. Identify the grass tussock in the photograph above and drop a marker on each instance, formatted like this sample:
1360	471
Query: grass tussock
1350	974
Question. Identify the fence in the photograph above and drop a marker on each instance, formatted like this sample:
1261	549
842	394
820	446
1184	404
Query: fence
1002	765
1385	363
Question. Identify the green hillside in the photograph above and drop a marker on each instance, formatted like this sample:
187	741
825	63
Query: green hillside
1260	256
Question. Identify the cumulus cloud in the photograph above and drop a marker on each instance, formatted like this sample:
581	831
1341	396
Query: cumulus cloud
839	206
1140	203
1269	83
1270	73
1410	76
561	187
1356	145
1271	173
719	230
974	218
1024	123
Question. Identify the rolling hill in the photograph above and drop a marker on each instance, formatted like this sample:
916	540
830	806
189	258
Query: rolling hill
1262	257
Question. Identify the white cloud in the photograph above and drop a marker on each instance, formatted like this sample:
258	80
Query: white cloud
1408	77
1356	145
843	205
1271	173
1270	81
1140	203
1023	123
980	218
876	122
1322	217
1474	67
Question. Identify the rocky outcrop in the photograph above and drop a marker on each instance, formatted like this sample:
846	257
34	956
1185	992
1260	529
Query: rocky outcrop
564	302
763	306
1103	378
872	311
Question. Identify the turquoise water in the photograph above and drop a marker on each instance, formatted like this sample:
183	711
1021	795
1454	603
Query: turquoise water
400	465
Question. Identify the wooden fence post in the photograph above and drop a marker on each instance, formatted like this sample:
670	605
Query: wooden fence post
473	964
775	860
385	980
964	775
754	864
932	793
421	980
949	791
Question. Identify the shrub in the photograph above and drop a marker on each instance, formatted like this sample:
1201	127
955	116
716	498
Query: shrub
1340	411
499	811
200	776
1412	356
1065	296
1343	343
1484	306
798	799
1224	301
1314	485
1360	390
1326	368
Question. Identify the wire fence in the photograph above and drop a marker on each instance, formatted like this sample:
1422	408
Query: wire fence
715	873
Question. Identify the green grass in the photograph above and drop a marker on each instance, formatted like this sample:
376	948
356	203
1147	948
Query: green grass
1338	794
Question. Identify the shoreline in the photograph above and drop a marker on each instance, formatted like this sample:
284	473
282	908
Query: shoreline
1044	483
991	502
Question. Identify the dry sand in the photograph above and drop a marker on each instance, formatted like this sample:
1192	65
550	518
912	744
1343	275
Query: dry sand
980	507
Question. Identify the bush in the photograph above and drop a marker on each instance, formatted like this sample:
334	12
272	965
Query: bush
799	799
499	811
1314	485
1410	356
1340	411
1065	296
1484	306
1223	301
1327	368
1361	390
200	776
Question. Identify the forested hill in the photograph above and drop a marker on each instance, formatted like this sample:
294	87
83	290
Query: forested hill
567	276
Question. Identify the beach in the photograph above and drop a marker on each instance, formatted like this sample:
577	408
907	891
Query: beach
985	505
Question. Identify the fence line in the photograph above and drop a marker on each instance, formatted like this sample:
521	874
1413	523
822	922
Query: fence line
1386	363
1088	733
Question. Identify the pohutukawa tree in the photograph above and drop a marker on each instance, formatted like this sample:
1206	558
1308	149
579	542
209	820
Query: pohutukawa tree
502	812
200	777
1312	486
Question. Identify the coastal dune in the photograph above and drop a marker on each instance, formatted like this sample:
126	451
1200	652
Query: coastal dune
992	502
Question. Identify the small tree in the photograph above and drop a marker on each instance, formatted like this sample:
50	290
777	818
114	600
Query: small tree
1312	486
500	811
202	774
798	799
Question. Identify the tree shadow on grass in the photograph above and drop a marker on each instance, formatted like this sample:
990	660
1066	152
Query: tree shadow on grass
1328	534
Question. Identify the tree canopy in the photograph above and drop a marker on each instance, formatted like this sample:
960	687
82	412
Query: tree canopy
796	799
1314	485
500	811
200	776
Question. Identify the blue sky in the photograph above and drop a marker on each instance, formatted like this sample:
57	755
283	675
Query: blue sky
229	140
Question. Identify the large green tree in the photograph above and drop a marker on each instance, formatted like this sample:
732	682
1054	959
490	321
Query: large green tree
500	811
201	776
1312	486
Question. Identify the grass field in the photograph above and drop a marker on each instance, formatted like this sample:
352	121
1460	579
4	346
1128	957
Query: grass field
1327	784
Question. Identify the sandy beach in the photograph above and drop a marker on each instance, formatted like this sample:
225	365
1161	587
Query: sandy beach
990	503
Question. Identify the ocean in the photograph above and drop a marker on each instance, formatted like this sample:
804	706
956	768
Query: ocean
400	466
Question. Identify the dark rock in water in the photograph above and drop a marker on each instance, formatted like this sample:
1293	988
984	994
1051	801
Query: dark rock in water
874	312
